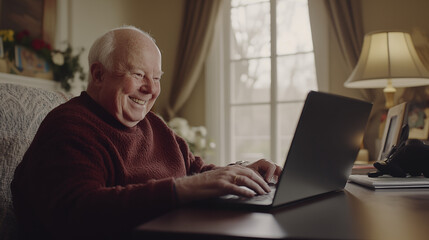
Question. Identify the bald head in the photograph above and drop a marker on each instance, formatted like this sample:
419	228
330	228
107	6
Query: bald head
129	46
124	38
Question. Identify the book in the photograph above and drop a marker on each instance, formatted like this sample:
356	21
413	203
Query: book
359	169
387	182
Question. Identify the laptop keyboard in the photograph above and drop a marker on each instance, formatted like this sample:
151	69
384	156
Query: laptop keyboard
257	198
264	197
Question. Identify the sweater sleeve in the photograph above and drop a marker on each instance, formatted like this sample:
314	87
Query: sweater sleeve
68	178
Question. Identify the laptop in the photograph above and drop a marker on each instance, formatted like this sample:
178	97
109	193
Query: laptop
321	155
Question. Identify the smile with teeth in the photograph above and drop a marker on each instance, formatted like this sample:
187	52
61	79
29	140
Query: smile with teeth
138	101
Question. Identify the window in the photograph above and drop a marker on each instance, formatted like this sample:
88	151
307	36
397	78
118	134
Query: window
269	69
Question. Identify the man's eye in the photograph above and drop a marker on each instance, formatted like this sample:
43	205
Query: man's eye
138	75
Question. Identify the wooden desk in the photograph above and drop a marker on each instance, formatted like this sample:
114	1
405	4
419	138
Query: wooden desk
355	213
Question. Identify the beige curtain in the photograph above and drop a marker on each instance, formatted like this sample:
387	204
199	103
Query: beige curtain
421	42
197	31
346	19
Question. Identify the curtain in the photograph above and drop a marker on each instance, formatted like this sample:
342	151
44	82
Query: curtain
421	43
197	31
346	20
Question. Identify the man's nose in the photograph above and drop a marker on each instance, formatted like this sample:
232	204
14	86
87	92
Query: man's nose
148	85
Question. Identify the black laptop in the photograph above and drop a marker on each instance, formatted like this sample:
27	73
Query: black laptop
322	152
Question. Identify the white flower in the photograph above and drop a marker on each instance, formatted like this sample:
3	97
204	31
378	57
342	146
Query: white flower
201	131
200	143
212	145
196	137
178	123
190	136
58	58
180	127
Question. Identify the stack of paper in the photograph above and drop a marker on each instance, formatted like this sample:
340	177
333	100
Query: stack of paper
386	181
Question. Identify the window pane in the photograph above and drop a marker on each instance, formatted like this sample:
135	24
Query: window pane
288	115
235	3
293	27
250	132
250	33
250	81
296	76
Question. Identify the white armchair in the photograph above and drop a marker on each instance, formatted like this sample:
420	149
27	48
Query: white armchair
22	109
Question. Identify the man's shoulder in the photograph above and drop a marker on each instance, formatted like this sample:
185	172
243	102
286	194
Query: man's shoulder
69	110
73	114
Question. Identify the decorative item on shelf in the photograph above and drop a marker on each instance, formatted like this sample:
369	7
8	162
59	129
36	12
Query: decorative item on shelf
418	112
34	57
388	60
3	64
6	40
196	137
28	63
1	47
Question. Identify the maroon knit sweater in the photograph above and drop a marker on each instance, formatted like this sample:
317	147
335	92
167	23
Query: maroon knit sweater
86	176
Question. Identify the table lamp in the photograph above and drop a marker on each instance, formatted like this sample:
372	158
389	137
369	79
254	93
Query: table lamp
388	60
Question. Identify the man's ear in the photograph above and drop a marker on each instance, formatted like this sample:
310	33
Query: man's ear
97	72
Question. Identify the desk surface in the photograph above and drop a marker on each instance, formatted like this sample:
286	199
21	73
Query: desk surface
355	213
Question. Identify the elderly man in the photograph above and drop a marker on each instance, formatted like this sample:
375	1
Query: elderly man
102	163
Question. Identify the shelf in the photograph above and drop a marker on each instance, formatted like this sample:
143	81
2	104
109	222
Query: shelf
29	81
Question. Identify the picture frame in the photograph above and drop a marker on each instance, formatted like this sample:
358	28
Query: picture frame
27	61
392	129
418	120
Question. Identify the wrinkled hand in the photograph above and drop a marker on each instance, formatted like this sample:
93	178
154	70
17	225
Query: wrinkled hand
268	170
227	180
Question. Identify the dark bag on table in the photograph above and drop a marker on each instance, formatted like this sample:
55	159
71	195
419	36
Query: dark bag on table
409	157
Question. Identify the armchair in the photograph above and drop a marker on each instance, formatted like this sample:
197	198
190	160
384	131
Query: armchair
22	109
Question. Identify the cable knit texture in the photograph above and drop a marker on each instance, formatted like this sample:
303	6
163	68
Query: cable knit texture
22	109
90	177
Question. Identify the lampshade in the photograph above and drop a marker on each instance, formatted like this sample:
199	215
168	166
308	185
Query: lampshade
388	57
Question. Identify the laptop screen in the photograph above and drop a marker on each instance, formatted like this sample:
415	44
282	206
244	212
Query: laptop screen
324	147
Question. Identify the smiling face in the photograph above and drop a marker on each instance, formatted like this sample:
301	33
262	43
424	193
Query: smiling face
129	90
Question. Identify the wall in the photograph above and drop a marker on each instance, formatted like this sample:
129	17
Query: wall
395	15
87	20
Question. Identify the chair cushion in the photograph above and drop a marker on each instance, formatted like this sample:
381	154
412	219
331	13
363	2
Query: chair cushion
22	109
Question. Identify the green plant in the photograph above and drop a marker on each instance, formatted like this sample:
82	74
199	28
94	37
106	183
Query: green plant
70	66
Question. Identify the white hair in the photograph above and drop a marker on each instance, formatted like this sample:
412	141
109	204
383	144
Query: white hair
103	47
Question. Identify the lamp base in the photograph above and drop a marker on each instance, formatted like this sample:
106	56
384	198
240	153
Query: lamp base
389	94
